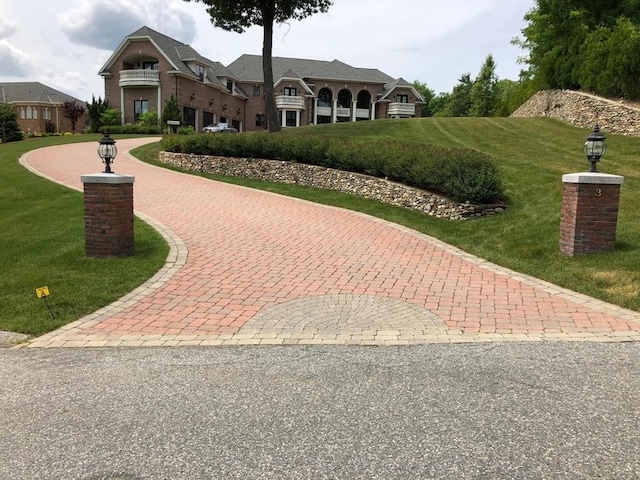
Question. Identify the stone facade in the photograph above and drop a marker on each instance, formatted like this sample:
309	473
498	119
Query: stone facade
321	177
583	110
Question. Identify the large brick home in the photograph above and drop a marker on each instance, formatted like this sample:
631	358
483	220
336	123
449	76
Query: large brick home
148	67
39	107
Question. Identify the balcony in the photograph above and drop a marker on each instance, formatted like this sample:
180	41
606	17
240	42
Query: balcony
290	102
139	78
402	109
362	113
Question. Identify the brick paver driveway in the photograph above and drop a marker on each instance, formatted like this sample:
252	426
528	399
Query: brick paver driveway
249	267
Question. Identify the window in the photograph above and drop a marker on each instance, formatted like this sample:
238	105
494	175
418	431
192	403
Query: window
199	69
46	114
260	120
140	107
290	91
22	116
256	90
208	118
290	118
35	113
402	98
29	113
230	85
325	99
150	65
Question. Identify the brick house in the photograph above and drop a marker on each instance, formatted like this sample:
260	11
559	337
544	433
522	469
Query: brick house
39	107
148	67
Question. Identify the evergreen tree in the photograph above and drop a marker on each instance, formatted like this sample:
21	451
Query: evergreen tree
459	102
95	110
427	94
482	94
9	129
171	111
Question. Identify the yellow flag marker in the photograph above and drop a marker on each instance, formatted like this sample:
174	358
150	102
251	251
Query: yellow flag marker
42	292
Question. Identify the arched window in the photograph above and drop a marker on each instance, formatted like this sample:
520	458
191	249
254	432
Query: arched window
325	97
29	113
344	99
35	113
22	116
364	99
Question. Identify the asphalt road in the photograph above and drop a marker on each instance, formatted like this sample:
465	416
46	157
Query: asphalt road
478	411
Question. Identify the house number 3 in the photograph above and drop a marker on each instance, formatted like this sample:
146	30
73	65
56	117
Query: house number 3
598	192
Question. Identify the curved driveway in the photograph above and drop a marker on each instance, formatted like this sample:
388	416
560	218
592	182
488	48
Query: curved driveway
250	267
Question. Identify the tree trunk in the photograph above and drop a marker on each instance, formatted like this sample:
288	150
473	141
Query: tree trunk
267	70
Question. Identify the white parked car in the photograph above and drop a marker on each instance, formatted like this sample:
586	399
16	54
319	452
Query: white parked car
220	128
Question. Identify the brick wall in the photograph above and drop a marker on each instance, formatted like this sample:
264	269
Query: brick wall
589	218
108	219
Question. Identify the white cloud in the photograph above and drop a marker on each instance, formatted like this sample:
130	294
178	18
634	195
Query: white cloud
103	24
7	27
14	62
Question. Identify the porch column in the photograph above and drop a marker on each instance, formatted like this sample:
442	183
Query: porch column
315	111
297	118
334	111
353	111
122	105
159	104
373	110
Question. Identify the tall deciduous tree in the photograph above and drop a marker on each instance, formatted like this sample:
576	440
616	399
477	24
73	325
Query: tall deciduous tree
238	15
73	111
584	44
427	94
459	102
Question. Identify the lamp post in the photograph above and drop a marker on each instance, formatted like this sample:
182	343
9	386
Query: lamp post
107	151
595	147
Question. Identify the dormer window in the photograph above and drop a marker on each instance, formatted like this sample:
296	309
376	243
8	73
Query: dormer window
290	91
402	98
230	85
200	72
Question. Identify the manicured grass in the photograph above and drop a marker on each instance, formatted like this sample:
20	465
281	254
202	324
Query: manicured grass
532	154
42	243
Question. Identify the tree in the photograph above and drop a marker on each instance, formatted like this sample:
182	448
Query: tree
111	116
9	128
427	94
571	44
459	102
482	93
73	111
95	110
171	111
238	15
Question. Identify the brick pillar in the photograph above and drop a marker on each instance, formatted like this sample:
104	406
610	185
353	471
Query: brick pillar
108	215
589	212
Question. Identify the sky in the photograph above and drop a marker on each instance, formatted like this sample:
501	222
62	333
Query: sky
64	43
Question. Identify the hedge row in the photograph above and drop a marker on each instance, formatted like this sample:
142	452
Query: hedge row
131	129
461	174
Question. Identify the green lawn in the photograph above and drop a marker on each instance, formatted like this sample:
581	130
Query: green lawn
533	154
42	243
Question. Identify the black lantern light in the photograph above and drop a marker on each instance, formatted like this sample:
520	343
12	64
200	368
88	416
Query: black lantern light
595	147
107	151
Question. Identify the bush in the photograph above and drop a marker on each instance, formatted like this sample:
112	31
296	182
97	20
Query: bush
464	175
131	129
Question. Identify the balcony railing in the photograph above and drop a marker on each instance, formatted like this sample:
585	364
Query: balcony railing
139	78
362	113
404	109
290	102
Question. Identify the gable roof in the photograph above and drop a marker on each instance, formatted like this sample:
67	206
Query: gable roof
33	92
175	52
248	68
400	82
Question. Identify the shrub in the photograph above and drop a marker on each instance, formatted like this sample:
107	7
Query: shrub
464	175
131	129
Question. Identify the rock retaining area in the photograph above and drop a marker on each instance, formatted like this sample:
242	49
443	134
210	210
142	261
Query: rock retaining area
321	177
583	110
